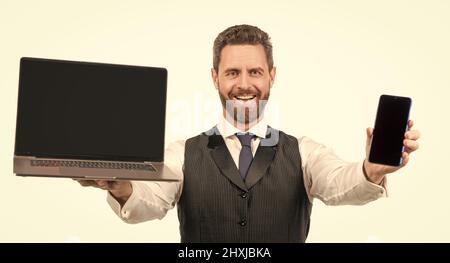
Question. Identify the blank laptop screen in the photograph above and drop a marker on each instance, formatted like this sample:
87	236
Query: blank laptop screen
90	110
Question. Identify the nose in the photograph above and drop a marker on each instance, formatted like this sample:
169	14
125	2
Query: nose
244	82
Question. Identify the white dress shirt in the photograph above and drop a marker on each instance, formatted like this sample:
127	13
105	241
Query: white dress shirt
326	177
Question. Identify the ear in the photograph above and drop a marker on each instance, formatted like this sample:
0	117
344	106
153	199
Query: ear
272	74
215	77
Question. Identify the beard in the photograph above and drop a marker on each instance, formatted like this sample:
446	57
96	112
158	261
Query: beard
243	112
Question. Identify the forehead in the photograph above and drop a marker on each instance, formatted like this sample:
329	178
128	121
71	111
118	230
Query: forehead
243	56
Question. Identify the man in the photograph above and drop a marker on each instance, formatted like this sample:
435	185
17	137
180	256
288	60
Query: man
238	183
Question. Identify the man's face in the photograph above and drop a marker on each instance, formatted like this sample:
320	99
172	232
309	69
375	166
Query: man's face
244	81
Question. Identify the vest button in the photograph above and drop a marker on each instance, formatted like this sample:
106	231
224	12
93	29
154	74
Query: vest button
244	195
243	222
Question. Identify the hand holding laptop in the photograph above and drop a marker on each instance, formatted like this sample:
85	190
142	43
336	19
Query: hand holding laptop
121	190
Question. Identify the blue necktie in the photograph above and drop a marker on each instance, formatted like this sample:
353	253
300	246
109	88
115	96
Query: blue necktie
245	156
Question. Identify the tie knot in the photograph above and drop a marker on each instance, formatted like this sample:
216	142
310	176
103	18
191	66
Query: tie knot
245	138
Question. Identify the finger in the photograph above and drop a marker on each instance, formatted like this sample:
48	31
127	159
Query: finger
410	124
405	157
412	135
102	184
410	145
112	185
86	182
369	131
82	183
107	185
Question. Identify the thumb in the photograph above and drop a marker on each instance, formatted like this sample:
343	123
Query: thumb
369	132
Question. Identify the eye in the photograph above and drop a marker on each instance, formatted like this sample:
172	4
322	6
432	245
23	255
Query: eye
231	73
255	73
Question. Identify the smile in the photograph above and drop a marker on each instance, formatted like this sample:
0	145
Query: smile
245	97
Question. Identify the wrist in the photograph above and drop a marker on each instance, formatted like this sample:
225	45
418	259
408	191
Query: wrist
123	193
371	175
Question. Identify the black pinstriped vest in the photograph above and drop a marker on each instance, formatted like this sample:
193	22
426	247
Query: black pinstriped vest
216	205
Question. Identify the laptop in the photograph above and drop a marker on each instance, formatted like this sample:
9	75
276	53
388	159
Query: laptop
86	120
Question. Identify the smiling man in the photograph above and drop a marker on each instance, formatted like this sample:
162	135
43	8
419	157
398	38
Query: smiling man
244	181
243	74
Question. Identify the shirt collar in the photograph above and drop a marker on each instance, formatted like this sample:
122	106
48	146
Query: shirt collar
227	129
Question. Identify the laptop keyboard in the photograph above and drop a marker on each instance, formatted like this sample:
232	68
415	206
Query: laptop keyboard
93	164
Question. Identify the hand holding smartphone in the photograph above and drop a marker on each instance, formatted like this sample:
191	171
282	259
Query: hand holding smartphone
389	132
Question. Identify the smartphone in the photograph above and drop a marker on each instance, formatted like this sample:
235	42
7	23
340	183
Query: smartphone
391	123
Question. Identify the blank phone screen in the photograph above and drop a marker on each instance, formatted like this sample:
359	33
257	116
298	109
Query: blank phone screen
390	127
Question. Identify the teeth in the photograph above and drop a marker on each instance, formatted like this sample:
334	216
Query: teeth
246	97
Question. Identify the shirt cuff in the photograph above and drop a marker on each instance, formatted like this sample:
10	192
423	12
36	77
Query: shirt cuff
124	211
368	191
